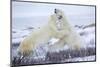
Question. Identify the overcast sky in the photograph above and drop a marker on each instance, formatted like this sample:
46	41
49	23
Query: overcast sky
75	14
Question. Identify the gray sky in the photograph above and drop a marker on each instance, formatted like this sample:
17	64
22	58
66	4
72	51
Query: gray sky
75	14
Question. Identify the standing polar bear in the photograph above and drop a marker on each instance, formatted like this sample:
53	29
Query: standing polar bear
57	27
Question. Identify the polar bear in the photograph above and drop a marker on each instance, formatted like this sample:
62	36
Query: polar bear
57	27
64	31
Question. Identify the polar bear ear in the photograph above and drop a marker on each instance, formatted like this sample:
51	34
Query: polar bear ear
55	10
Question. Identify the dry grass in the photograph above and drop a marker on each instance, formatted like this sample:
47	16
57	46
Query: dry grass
55	57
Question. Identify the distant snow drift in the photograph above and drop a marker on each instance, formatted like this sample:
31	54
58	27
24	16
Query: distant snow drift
88	35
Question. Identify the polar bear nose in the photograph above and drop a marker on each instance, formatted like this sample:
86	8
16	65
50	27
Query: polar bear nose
60	17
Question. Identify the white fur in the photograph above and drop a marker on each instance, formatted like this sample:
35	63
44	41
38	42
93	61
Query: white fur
56	28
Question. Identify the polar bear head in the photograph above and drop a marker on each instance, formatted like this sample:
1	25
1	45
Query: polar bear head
59	19
59	14
58	23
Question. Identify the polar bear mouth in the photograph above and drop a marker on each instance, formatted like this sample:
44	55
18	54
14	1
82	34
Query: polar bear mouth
60	17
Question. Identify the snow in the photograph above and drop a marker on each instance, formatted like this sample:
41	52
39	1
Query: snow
18	35
88	37
87	34
87	58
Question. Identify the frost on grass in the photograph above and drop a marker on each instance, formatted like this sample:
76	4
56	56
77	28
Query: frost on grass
59	57
42	56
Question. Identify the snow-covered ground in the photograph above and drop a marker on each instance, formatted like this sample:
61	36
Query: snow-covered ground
87	35
87	58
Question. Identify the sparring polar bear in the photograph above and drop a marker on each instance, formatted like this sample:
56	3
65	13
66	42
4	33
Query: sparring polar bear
57	27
